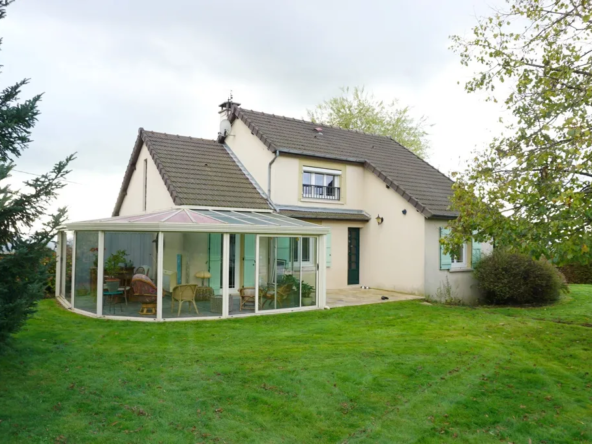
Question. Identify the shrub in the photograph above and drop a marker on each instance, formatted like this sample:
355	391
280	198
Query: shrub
577	273
512	278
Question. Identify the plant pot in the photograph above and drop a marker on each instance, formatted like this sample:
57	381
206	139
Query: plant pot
307	301
111	284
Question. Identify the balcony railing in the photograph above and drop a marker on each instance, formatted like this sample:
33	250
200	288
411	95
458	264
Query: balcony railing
320	192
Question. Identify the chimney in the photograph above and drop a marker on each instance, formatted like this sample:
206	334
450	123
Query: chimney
226	107
225	114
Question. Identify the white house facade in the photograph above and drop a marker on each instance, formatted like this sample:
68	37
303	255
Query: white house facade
264	219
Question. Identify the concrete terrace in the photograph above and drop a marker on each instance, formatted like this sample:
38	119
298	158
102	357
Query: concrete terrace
357	296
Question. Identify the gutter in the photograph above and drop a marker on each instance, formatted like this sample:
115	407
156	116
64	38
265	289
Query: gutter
277	154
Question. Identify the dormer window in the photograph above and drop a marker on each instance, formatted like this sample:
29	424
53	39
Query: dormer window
321	183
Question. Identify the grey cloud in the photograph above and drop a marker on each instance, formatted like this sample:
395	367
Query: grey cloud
109	67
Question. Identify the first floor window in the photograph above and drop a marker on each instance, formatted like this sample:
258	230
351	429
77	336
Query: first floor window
318	183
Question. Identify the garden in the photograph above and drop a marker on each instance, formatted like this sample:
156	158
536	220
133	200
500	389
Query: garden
396	372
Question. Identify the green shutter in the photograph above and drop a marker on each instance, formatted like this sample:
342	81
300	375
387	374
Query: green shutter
283	249
249	260
445	260
328	249
215	261
475	253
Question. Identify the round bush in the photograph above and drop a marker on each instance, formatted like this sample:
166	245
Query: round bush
512	278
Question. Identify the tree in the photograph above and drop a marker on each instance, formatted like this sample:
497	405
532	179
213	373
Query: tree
357	110
530	190
23	251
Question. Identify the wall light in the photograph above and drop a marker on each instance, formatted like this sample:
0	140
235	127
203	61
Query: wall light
379	219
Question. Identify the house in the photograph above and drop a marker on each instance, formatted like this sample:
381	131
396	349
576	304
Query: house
267	217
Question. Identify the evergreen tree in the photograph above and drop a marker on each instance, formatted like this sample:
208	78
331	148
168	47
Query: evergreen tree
23	273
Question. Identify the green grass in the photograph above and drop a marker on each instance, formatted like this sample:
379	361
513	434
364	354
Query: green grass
388	373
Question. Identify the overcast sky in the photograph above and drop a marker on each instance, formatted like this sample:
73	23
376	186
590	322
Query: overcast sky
109	67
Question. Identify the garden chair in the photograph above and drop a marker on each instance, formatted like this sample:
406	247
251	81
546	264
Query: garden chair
247	298
145	291
184	293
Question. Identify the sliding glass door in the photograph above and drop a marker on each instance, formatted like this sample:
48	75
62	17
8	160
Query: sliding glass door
286	272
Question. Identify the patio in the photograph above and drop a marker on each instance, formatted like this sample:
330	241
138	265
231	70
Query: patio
358	296
191	263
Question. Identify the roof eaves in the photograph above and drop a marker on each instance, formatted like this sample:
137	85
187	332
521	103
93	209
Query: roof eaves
322	156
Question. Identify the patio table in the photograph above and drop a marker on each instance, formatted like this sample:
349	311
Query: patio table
111	295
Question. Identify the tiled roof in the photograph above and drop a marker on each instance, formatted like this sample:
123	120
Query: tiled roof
413	178
196	172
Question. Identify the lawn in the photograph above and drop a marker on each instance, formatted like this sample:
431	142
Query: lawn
401	372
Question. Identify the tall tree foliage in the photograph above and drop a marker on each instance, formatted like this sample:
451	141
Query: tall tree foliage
530	189
356	109
23	271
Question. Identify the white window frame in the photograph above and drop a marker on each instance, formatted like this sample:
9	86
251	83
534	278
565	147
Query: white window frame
325	173
320	275
311	254
455	263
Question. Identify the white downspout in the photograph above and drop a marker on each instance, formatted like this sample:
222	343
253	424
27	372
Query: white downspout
277	154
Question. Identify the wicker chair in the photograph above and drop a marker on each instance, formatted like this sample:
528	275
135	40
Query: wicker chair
183	293
268	295
145	291
247	298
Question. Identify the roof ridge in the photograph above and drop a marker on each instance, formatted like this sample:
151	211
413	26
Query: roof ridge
178	135
323	124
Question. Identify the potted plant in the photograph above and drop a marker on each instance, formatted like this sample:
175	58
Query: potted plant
112	267
307	291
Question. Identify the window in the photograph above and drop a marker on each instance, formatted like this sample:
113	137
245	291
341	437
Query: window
145	202
458	258
320	183
306	250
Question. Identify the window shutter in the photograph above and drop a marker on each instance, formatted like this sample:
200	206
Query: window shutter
249	260
215	261
283	249
328	249
445	260
476	253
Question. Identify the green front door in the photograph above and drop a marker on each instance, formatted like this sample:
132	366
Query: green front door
353	256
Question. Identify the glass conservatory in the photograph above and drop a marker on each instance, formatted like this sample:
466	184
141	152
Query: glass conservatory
189	263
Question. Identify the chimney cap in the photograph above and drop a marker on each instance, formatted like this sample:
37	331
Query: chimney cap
228	104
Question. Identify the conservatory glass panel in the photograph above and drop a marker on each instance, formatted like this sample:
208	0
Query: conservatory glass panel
66	281
85	279
130	274
279	272
309	273
192	275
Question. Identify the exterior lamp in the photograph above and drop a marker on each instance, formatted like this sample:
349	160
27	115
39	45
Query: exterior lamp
379	219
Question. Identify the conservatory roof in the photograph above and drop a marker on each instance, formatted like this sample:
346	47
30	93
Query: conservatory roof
205	220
